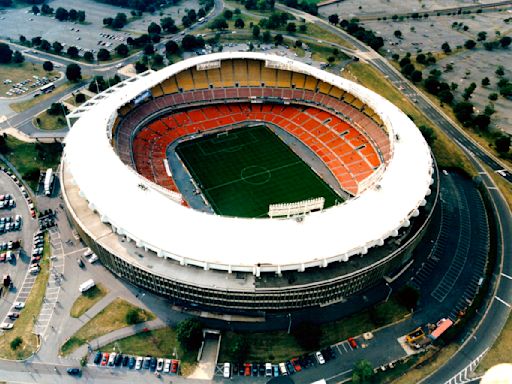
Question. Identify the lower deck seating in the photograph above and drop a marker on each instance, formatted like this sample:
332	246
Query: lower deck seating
347	152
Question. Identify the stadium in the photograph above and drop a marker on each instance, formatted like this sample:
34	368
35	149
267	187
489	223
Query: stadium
243	182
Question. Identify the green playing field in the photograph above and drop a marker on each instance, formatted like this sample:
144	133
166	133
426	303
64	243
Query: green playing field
244	170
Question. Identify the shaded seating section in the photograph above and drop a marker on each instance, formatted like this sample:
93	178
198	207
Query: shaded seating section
348	153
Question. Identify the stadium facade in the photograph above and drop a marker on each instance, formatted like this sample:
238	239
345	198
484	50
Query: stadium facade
122	198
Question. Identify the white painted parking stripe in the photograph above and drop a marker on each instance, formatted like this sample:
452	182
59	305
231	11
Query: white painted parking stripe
338	348
502	301
338	375
345	348
507	276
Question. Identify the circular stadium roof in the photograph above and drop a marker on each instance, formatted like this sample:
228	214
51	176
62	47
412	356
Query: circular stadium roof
153	220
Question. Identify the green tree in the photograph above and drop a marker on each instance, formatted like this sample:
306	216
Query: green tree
79	98
482	122
407	295
239	23
485	81
464	112
303	28
133	316
446	47
228	14
122	50
72	51
219	24
57	47
481	36
500	71
416	76
16	342
493	96
307	334
363	372
466	95
5	53
73	72
470	44
256	31
430	136
61	14
334	19
171	47
88	56
505	41
278	39
168	25
18	58
103	55
502	143
189	333
398	34
48	66
81	16
291	27
154	28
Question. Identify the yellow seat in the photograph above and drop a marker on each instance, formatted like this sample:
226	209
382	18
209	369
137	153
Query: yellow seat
240	72
358	104
336	92
184	80
298	79
226	73
214	77
310	83
125	109
157	91
200	80
368	111
324	87
254	67
284	79
348	98
169	86
269	76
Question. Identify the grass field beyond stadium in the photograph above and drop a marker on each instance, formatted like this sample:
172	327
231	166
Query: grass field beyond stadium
244	170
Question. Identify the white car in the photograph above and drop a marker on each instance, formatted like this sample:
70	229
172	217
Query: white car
138	362
6	325
320	358
93	258
167	366
19	305
227	370
159	365
111	359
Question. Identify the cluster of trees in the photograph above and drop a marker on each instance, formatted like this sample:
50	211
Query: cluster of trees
8	56
57	109
118	22
140	5
55	47
61	14
360	33
190	333
191	43
276	20
73	72
303	5
261	5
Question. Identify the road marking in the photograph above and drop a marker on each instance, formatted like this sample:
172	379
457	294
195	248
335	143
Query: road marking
507	276
502	301
337	346
339	374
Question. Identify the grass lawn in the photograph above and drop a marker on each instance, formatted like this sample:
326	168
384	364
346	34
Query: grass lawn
160	342
29	158
445	150
278	345
24	325
242	171
49	122
71	100
321	34
27	104
111	318
501	350
87	299
20	72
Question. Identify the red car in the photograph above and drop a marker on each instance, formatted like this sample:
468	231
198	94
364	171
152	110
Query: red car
247	369
296	365
174	366
104	359
352	342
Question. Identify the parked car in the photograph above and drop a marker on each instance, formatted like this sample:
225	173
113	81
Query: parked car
6	326
320	358
152	364
167	366
97	358
261	369
112	359
160	365
138	362
125	360
352	342
275	370
131	362
226	372
118	360
13	315
247	370
268	370
105	359
289	368
296	365
174	366
255	369
18	305
282	369
74	371
147	361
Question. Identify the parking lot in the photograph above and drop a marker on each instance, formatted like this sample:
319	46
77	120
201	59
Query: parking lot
16	241
87	36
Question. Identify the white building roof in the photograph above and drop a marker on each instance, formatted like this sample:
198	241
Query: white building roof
153	220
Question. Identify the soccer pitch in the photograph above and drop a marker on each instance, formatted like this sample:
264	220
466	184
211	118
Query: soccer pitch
242	171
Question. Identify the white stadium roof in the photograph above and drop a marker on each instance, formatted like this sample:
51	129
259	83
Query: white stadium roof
153	220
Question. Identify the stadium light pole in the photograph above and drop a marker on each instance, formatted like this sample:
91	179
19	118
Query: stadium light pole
389	293
289	322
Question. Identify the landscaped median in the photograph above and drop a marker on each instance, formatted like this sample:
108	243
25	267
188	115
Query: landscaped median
24	325
118	314
277	346
87	299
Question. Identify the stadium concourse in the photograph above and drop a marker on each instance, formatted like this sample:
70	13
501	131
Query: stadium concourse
126	203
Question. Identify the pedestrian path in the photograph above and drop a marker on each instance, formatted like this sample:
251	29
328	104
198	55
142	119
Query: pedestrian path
51	297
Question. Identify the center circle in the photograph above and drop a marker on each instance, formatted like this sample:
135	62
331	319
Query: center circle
255	175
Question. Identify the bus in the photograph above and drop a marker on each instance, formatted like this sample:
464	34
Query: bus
47	88
48	182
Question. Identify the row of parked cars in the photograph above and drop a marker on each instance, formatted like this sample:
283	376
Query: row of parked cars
23	190
286	368
37	252
7	201
154	364
9	223
12	315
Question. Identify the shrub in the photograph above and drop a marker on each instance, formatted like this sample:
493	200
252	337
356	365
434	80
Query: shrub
16	342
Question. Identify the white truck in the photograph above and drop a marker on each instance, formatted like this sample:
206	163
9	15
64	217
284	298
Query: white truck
48	182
